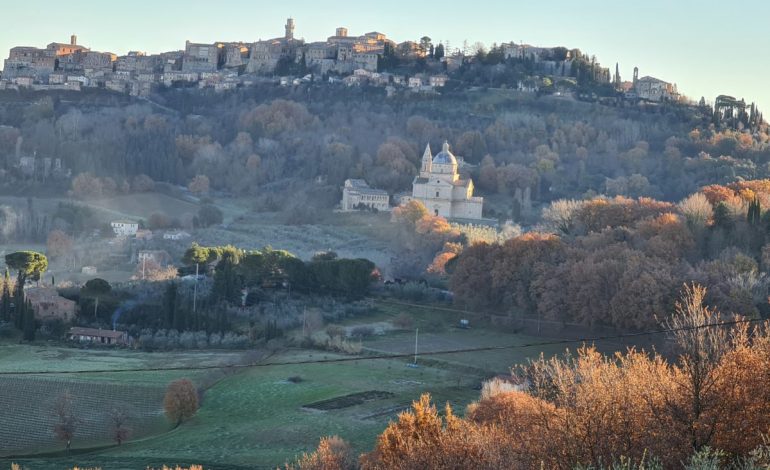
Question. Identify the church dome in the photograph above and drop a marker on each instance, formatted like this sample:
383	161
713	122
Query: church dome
445	157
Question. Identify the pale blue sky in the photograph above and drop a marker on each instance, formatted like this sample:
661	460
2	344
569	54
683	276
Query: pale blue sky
707	47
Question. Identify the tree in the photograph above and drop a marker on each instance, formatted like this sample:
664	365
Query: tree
66	421
209	215
754	214
58	245
425	44
95	289
28	320
333	453
700	350
119	430
5	299
181	401
438	53
199	185
29	264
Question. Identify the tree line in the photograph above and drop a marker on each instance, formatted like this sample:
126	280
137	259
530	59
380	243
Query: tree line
618	261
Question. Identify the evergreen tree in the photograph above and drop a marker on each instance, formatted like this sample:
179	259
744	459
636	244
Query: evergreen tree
29	322
5	298
438	54
170	305
754	213
18	303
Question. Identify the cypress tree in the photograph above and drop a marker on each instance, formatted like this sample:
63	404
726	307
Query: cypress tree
29	322
754	213
170	305
18	303
5	299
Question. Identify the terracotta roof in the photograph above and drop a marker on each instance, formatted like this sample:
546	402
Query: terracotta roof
77	331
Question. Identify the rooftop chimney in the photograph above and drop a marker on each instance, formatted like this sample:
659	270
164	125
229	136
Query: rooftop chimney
74	40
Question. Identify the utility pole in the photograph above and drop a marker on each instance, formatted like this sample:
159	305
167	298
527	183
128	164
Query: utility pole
416	332
144	260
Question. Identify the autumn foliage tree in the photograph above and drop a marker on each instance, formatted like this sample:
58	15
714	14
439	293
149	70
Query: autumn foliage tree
333	453
59	244
588	409
181	401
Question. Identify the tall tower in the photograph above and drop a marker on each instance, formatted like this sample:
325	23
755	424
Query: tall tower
427	162
74	40
289	28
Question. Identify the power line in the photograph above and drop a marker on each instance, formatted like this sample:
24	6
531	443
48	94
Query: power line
386	356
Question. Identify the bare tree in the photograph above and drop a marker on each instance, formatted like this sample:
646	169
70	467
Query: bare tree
700	346
118	421
66	420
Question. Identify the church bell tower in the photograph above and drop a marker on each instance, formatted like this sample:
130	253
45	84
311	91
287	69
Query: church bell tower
427	162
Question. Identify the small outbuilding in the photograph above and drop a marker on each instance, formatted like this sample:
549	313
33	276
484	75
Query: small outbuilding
98	336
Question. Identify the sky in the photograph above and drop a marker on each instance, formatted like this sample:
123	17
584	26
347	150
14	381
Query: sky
706	47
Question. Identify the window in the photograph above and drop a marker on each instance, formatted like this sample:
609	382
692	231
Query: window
436	193
436	212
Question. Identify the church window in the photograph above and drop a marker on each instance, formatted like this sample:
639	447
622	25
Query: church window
436	193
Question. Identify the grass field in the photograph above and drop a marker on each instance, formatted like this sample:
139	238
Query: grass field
257	417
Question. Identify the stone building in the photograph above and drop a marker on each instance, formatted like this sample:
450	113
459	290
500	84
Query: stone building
265	55
653	89
442	191
49	305
356	195
201	57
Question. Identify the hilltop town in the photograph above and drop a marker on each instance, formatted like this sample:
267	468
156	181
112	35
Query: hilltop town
371	59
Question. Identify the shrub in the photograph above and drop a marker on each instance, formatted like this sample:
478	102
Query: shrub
362	331
336	331
403	321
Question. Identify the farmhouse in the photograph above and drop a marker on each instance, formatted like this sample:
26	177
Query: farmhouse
125	228
442	191
176	235
98	336
49	305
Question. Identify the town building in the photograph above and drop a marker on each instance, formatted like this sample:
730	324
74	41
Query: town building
49	305
357	195
265	55
124	228
201	57
98	336
441	190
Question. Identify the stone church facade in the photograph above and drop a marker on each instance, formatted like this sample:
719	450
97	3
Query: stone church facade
442	191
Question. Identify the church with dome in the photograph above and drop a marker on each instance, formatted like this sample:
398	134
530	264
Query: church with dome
442	191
